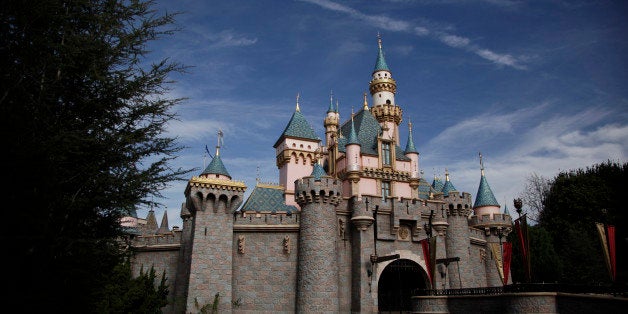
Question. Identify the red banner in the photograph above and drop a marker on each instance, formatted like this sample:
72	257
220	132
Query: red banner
425	244
507	257
521	226
610	233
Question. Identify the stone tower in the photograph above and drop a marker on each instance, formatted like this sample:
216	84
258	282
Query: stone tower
317	269
212	198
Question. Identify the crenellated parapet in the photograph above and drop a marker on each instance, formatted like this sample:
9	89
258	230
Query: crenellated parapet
383	84
266	222
155	242
208	194
313	190
387	113
492	224
458	204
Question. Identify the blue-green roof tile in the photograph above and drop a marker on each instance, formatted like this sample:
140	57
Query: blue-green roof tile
318	172
216	167
267	199
485	196
298	127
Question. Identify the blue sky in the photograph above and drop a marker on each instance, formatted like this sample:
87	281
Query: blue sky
536	86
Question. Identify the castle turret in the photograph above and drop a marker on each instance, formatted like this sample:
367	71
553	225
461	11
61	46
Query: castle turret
353	157
383	88
296	151
212	198
496	226
413	154
317	270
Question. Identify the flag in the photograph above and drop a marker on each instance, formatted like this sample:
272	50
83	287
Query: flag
610	233
521	225
607	239
507	257
429	254
497	254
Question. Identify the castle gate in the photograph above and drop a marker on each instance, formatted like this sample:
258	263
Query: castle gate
396	284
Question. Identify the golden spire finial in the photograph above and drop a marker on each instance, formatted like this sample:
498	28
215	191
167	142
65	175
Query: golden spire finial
366	104
446	174
379	40
298	102
409	125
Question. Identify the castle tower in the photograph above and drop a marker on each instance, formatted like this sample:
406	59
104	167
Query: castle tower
457	240
496	226
413	154
383	88
317	270
212	198
331	122
296	151
353	157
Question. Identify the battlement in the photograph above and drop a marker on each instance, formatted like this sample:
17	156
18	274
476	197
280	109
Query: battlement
265	219
497	220
313	190
149	240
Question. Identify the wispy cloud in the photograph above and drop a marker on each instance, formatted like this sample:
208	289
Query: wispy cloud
451	40
228	38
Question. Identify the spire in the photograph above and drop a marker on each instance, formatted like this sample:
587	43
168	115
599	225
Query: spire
380	64
410	146
485	195
337	106
318	171
506	212
331	102
151	222
297	109
298	127
448	186
216	166
353	136
366	104
164	228
437	184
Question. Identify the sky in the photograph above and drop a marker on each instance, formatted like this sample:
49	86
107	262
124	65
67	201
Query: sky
538	87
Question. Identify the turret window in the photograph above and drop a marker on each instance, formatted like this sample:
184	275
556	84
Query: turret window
386	154
385	190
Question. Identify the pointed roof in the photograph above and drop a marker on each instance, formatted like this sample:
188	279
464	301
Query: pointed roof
318	171
410	145
437	184
367	130
506	212
353	136
425	189
331	103
267	198
151	222
448	186
380	64
164	228
216	167
485	195
298	127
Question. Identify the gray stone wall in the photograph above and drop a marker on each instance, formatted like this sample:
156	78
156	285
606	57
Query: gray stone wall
264	272
343	249
162	261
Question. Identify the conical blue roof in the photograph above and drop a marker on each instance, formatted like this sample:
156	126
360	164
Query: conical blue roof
425	189
485	196
380	64
410	145
437	185
318	171
506	212
353	136
448	187
331	105
216	167
298	127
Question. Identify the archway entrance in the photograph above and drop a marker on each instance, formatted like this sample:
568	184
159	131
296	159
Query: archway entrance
396	284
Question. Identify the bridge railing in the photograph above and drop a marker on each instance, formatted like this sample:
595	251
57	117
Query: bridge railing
528	287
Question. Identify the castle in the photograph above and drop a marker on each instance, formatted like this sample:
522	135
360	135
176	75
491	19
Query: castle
352	226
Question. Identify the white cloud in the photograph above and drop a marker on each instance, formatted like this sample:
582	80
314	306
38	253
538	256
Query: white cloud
396	25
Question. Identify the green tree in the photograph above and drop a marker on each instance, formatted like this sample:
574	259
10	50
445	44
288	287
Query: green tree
577	200
123	293
83	117
545	263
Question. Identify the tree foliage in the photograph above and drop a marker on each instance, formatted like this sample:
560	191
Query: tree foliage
83	118
534	192
123	293
573	203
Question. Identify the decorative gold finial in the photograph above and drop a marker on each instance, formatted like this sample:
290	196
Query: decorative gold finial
379	40
446	174
298	102
409	125
366	104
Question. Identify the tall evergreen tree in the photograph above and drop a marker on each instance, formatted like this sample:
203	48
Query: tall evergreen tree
83	118
577	200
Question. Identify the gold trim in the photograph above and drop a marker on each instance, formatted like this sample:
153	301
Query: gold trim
211	182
